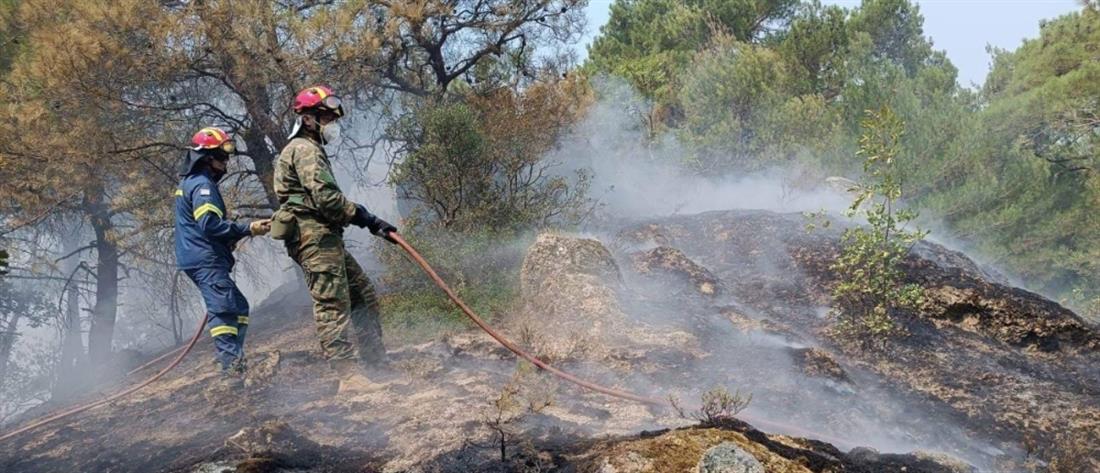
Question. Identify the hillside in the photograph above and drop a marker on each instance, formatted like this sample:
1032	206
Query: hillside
991	376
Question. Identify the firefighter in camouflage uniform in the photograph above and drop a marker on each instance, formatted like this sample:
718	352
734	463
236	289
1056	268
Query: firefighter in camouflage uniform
311	220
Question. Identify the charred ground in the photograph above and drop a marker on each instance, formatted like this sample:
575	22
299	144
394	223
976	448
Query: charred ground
994	375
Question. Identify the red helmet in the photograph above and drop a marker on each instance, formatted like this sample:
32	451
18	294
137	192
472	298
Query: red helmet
318	97
213	138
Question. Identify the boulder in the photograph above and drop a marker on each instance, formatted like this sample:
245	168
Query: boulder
570	288
554	255
727	457
917	462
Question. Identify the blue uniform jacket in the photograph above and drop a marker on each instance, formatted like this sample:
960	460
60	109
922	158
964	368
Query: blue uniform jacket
204	238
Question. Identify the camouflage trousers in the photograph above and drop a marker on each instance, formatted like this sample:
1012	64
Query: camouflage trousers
344	302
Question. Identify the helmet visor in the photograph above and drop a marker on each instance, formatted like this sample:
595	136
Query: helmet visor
229	147
334	103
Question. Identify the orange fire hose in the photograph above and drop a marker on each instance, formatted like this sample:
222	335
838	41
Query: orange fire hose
420	261
84	407
156	360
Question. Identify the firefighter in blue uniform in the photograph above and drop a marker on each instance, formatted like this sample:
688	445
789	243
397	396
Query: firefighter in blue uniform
205	239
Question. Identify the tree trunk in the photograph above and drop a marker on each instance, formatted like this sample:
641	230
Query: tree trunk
174	310
106	289
72	342
7	341
263	161
264	130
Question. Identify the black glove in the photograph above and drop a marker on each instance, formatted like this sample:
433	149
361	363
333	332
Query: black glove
362	218
381	228
377	226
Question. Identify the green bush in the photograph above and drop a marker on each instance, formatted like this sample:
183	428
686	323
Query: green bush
483	164
482	267
869	287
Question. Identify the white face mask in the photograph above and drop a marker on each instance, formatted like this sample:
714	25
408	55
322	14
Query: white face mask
330	133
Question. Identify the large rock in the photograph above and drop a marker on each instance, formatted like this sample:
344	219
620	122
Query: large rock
727	457
917	461
555	255
570	289
737	447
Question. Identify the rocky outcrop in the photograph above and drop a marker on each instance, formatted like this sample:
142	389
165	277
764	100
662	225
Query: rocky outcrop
671	265
571	288
737	447
1006	362
727	457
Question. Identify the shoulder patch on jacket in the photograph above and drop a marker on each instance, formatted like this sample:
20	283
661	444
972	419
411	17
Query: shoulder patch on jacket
204	191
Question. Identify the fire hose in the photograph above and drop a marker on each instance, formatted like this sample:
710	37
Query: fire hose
477	320
427	268
92	405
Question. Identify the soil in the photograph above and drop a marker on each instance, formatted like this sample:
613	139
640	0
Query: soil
989	376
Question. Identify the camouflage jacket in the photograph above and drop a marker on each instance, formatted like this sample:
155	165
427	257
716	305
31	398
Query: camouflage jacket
305	185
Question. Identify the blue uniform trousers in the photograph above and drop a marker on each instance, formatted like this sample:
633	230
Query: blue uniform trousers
227	311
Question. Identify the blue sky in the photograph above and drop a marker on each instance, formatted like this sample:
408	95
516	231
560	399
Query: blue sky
961	27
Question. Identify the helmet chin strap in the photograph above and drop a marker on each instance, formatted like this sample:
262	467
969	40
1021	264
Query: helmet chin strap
299	126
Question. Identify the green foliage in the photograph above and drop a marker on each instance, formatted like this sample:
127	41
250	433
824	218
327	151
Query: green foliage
895	29
418	315
1023	181
816	45
481	266
483	164
443	170
650	42
790	90
741	112
1087	303
869	287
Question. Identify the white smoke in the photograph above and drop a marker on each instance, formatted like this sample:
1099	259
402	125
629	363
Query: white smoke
639	176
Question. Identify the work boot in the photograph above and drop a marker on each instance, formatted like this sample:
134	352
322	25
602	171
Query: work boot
226	387
352	379
379	370
229	381
239	367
